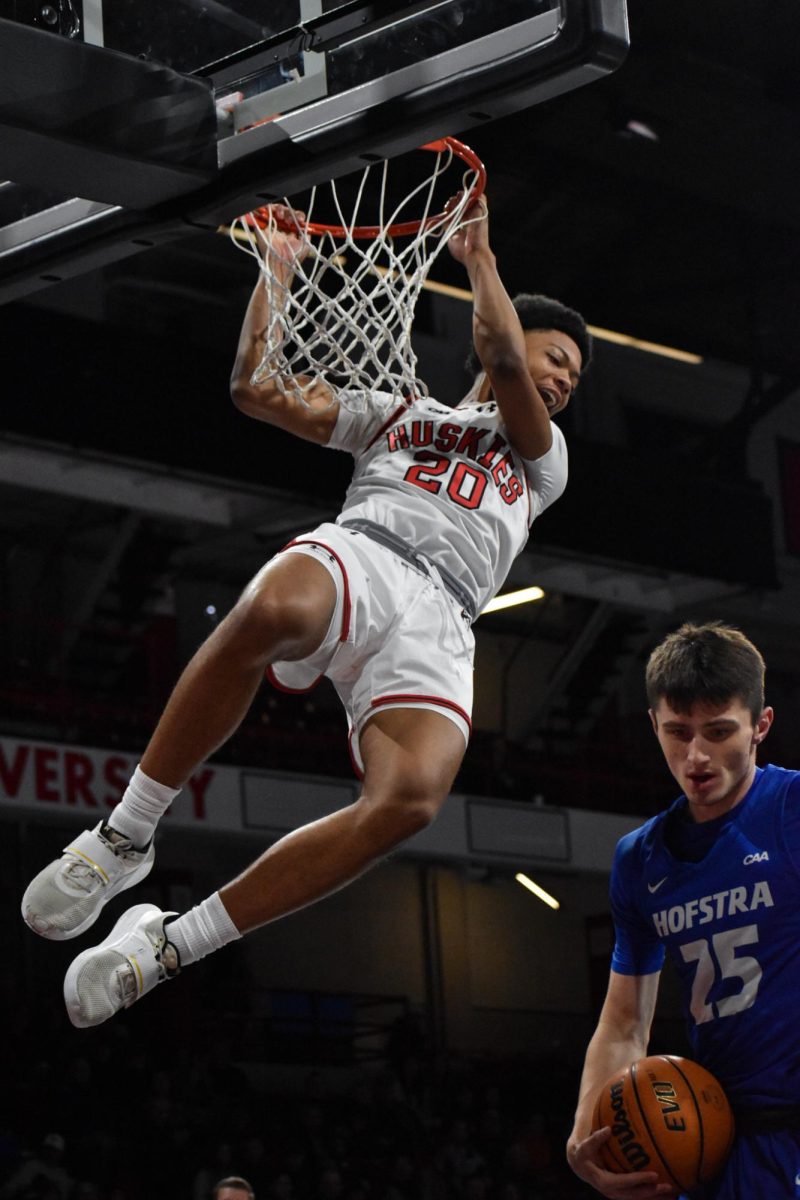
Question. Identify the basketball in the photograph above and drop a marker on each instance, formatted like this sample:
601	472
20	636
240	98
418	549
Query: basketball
668	1115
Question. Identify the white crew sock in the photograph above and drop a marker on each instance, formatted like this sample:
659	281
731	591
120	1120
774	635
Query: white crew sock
145	801
203	929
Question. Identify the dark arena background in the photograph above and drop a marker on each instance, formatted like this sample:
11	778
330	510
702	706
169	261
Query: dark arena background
421	1033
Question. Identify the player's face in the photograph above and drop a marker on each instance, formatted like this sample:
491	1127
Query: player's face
555	363
711	751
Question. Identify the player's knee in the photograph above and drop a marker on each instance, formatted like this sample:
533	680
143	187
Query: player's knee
408	807
270	624
416	814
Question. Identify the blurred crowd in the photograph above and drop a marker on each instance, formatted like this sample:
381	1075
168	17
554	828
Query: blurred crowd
154	1106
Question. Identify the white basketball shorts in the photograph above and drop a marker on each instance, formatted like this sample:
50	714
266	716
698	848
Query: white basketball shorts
397	638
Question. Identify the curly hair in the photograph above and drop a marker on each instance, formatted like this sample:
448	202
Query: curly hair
541	312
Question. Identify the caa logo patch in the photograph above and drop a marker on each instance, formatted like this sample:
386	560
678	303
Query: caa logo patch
749	859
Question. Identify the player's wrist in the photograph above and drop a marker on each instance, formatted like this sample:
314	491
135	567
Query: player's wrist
480	258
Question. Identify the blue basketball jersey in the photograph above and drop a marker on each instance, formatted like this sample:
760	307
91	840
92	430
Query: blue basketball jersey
731	925
762	1166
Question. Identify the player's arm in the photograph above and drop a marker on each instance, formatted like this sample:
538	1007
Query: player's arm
310	414
499	339
622	1035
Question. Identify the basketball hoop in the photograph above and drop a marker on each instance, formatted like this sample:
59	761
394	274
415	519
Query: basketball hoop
345	315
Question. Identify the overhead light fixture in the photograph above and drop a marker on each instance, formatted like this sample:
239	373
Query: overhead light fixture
641	129
537	891
509	599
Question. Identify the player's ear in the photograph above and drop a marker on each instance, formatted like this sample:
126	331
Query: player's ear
763	724
651	712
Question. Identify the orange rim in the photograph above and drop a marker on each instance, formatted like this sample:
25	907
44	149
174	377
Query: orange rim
261	216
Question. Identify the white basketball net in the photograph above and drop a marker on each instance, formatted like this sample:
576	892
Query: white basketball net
346	315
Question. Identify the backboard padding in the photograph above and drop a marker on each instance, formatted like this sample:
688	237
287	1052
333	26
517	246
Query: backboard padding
265	122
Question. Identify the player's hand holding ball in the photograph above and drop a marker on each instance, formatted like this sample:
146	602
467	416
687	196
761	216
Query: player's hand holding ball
586	1160
663	1116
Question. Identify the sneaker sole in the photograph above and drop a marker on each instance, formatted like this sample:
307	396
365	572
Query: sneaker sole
117	935
111	890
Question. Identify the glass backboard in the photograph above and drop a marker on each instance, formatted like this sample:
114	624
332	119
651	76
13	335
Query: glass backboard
127	124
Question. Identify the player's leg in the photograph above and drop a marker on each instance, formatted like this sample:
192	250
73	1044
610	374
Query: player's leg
284	613
410	756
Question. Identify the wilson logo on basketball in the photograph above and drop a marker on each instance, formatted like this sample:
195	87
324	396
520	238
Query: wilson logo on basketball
668	1115
634	1154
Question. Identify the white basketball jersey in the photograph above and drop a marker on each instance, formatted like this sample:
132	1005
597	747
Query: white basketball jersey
447	481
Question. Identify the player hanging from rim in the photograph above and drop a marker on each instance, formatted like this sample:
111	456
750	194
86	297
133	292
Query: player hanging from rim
713	882
381	602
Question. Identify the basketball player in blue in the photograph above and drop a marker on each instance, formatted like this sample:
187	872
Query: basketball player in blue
381	601
714	882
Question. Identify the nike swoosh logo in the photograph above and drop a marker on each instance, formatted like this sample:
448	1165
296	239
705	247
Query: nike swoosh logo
653	887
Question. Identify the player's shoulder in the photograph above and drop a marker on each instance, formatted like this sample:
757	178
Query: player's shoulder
772	785
361	414
558	437
432	407
470	408
359	401
635	843
558	446
773	776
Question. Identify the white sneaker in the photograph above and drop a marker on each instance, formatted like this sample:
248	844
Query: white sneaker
134	957
66	897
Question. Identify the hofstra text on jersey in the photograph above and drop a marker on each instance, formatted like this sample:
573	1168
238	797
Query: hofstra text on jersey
713	908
